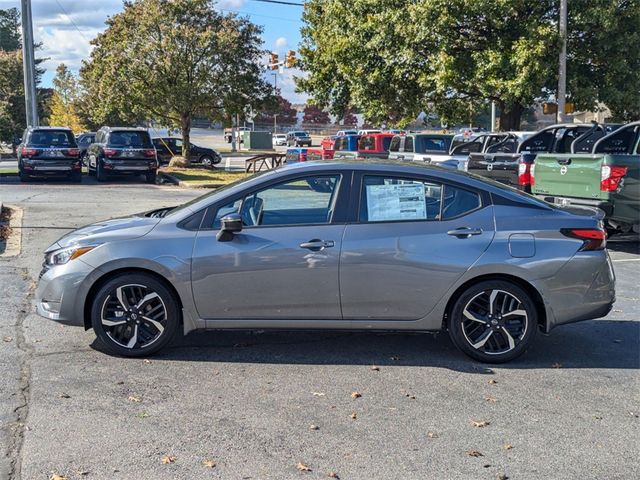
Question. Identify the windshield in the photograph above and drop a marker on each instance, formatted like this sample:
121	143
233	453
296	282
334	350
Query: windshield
130	139
52	138
300	134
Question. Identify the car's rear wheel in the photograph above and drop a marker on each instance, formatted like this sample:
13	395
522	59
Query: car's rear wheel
207	161
151	177
101	176
493	321
135	315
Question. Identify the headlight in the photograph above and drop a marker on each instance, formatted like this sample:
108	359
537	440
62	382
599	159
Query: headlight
64	255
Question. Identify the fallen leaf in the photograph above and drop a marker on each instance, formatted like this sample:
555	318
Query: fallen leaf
303	468
317	394
7	339
556	365
55	476
133	398
146	360
375	369
314	427
502	476
480	424
143	415
491	399
65	395
597	417
354	415
508	446
333	475
492	381
209	463
167	459
474	453
432	435
409	395
486	465
355	395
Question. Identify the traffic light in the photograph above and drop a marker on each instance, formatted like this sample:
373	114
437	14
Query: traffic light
273	64
291	59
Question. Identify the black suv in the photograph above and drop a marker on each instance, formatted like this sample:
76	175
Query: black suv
122	151
49	151
84	140
168	147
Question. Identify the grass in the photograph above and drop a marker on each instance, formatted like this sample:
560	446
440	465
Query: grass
201	176
6	172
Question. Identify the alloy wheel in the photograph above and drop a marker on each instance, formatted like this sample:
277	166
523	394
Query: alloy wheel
133	316
495	322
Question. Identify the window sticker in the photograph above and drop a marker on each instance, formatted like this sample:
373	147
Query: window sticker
396	202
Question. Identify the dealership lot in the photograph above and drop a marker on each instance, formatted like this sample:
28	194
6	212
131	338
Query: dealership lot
250	401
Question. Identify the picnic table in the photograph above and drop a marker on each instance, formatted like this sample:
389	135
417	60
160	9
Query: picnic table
264	160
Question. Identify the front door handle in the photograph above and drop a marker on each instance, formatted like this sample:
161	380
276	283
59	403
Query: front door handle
464	232
317	245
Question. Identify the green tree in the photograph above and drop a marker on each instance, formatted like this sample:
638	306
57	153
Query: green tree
12	111
393	59
10	30
170	61
65	99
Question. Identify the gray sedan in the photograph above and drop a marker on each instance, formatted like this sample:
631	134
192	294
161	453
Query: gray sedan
337	245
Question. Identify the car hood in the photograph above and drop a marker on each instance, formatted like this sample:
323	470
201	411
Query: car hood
124	228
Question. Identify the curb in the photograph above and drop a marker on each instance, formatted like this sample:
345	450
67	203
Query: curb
173	180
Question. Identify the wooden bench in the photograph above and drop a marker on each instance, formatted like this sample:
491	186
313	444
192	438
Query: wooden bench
264	161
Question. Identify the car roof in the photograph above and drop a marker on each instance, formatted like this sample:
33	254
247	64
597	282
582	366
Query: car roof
49	128
125	129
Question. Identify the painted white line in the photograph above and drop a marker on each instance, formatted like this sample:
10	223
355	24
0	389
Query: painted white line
227	163
626	260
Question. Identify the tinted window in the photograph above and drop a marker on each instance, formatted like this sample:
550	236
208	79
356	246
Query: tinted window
366	143
457	201
302	201
130	139
388	199
52	138
408	144
233	207
432	144
540	142
394	145
386	141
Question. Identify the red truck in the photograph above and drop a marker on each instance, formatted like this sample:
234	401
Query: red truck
373	145
326	150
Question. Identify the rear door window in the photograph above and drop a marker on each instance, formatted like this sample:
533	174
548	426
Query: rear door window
408	144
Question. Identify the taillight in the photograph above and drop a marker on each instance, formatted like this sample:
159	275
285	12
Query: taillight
592	238
149	152
29	152
610	177
73	152
109	152
524	174
303	156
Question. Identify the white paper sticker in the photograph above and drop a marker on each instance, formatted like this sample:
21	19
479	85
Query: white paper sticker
396	202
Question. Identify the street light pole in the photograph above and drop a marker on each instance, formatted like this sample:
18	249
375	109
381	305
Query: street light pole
28	64
275	83
562	72
275	124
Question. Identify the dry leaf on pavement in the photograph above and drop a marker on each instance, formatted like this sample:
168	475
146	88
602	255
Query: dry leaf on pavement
209	463
303	468
133	398
432	435
65	395
354	415
314	427
333	475
491	399
375	368
480	424
492	381
508	446
146	360
167	459
355	395
317	394
55	476
474	453
7	339
502	476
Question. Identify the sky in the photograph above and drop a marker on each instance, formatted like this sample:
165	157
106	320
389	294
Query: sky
65	27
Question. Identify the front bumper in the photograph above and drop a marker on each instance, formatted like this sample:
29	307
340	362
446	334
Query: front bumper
61	292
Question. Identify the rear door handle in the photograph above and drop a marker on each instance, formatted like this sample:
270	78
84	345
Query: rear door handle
317	245
464	232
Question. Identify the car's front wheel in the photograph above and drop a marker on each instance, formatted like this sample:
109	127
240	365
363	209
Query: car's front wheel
135	314
207	161
493	321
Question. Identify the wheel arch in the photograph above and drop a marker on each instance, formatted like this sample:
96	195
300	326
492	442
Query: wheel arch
86	309
526	286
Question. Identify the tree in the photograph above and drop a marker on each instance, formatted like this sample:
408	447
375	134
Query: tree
392	58
64	102
10	30
313	115
280	106
170	61
349	119
12	111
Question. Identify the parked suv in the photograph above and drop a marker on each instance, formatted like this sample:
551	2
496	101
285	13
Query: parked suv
298	139
49	151
122	151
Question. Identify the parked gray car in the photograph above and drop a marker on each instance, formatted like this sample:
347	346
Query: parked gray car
337	245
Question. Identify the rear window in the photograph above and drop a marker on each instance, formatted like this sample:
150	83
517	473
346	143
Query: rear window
386	142
300	134
52	138
130	139
432	144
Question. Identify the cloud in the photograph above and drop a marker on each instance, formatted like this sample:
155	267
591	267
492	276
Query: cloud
230	4
281	42
287	85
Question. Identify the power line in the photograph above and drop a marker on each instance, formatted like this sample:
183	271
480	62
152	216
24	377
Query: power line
251	14
280	2
64	12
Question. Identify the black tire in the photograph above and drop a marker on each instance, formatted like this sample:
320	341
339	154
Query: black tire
206	161
151	333
76	177
101	176
151	177
482	332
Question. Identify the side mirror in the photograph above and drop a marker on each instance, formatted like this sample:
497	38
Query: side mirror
230	225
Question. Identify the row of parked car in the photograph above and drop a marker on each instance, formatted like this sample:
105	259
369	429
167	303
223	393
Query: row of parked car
55	151
595	165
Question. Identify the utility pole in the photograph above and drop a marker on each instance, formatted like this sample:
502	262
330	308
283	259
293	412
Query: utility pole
493	116
275	123
562	72
275	83
28	63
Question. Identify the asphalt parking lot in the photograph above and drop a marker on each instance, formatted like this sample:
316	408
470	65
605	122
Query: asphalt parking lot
263	405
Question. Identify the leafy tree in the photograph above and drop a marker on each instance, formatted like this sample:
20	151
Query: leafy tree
393	58
281	106
170	61
64	102
349	118
12	111
313	115
10	30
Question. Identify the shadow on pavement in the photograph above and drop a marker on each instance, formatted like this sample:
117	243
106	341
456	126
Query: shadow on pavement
592	344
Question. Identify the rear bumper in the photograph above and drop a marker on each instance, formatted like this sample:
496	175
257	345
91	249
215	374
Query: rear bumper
38	168
605	206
